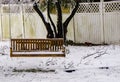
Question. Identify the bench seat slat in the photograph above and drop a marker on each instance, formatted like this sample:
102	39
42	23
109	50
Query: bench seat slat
38	55
40	52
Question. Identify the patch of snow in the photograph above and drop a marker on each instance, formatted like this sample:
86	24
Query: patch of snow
86	61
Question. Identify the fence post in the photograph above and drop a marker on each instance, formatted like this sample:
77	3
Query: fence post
102	19
74	29
9	21
22	14
1	22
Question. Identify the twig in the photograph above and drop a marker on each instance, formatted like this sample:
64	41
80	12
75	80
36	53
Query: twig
91	54
97	52
101	54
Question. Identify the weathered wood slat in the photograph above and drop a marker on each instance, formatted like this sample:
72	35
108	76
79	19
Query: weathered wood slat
35	45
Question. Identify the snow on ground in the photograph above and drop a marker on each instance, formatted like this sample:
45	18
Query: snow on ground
89	64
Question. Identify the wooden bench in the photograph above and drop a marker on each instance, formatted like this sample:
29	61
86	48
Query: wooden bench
37	48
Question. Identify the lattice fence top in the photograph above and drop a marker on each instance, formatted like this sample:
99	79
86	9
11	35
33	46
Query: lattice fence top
5	9
83	7
112	7
17	8
28	8
88	8
95	7
14	8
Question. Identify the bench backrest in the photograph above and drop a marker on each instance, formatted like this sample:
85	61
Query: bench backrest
20	45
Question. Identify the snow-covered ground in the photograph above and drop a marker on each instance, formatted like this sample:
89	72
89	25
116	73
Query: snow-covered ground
89	64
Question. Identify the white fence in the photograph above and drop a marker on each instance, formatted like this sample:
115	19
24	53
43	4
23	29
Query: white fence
94	22
98	23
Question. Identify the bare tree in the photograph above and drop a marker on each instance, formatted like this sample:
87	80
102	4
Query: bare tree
60	30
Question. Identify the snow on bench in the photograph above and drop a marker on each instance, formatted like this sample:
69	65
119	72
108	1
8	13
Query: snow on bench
37	48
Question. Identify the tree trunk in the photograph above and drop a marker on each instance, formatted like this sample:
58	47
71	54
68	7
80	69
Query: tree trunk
59	20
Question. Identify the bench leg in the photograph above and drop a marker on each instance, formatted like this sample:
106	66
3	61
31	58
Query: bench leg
10	52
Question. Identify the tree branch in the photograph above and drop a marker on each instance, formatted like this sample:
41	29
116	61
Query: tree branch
35	6
65	24
48	13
